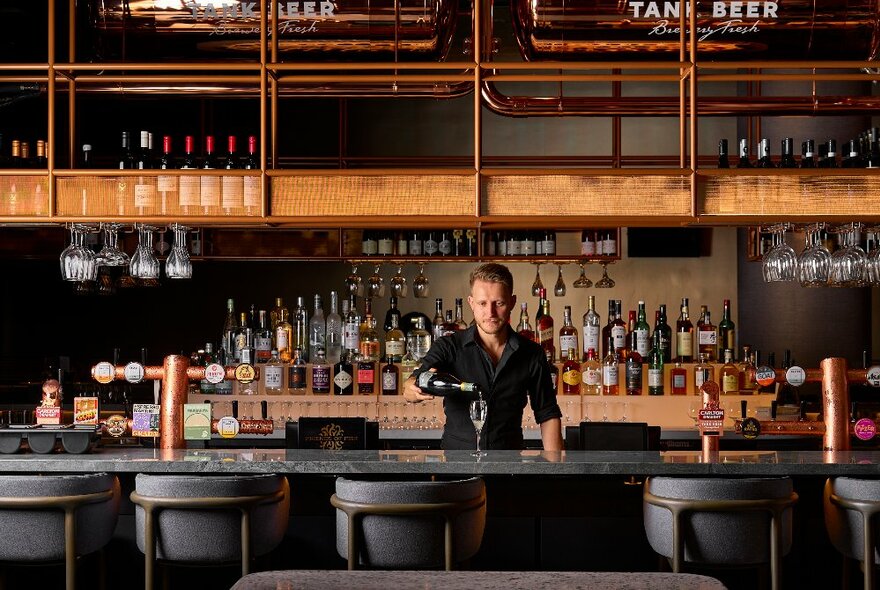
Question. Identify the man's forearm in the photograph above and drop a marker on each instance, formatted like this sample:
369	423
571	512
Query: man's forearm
551	434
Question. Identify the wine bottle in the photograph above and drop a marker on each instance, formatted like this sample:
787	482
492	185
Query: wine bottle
232	186
744	154
851	158
808	151
764	160
41	161
665	334
253	195
787	160
144	158
190	187
209	185
87	161
726	331
830	159
723	158
684	335
126	157
442	384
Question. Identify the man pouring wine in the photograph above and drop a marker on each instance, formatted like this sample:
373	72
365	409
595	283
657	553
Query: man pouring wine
494	362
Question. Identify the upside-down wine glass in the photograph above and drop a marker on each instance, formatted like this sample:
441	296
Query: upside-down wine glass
582	282
874	260
420	283
478	417
605	282
780	262
178	264
559	287
354	282
144	264
849	264
111	254
398	283
814	263
537	285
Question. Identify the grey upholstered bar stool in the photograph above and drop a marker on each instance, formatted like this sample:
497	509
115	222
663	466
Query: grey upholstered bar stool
850	507
208	519
55	517
409	524
722	521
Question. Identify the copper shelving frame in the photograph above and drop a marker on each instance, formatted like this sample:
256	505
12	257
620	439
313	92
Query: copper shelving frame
478	195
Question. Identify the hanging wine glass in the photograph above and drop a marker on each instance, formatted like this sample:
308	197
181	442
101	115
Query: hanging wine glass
605	282
398	283
111	254
354	282
376	284
582	281
559	287
144	264
537	285
420	283
178	264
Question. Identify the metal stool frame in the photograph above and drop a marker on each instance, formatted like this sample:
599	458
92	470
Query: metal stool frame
69	505
680	507
152	505
355	511
867	508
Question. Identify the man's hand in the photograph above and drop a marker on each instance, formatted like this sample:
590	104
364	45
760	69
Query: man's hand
412	393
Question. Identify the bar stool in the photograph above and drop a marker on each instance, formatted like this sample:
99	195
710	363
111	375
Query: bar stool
57	517
850	505
206	518
409	524
724	521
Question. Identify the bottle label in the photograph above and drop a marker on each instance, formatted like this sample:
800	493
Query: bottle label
144	195
591	338
655	377
350	337
514	248
386	246
273	376
389	382
166	184
527	247
415	247
618	335
210	189
609	374
445	246
643	345
366	376
431	247
252	195
342	380
370	247
502	248
588	248
730	383
679	381
699	377
282	341
233	192
592	376
708	338
320	379
685	343
548	247
395	347
609	247
634	376
190	191
296	377
546	335
567	341
571	377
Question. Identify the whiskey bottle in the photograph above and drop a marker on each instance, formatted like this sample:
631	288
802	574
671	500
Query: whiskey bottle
591	328
787	159
678	379
571	373
459	314
296	373
634	373
643	340
727	331
703	371
729	375
395	342
524	328
618	332
610	370
684	335
273	374
546	332
707	335
568	337
655	367
662	326
369	345
591	375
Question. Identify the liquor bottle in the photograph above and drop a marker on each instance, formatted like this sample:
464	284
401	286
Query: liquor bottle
449	326
230	325
392	313
631	344
263	339
225	386
334	330
395	342
546	332
729	375
568	336
787	394
524	328
588	243
634	373
678	379
283	334
618	332
343	382
15	160
390	378
787	159
317	327
144	159
703	371
126	156
684	335
300	323
808	151
723	158
707	335
206	386
744	154
459	314
642	330
592	330
571	373
437	383
320	373
655	367
747	383
279	311
42	160
166	162
851	156
366	376
273	374
830	160
369	345
252	190
26	161
351	325
606	330
591	375
87	161
727	331
610	370
415	245
764	160
419	339
437	322
240	339
209	186
296	373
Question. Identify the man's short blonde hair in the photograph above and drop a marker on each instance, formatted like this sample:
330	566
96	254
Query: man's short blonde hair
492	272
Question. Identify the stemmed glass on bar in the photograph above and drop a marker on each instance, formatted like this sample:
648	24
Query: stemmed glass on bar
478	417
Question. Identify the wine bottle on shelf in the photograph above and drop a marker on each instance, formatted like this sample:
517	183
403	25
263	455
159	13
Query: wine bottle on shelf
808	154
144	159
126	157
190	186
442	384
568	336
166	162
144	189
232	186
253	195
764	159
591	328
87	162
26	160
723	157
41	160
684	335
209	186
743	161
655	367
726	331
851	156
665	334
787	159
830	159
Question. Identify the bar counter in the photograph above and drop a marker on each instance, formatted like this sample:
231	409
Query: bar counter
460	463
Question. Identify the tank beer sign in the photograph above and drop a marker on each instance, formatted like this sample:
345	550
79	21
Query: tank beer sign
727	18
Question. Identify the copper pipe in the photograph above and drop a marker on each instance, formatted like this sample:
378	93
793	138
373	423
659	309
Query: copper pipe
174	391
50	90
478	48
835	404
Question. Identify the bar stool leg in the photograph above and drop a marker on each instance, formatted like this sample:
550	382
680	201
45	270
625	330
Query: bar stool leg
869	550
69	548
677	541
448	538
245	543
149	548
775	551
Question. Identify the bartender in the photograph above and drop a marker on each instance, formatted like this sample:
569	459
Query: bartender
510	370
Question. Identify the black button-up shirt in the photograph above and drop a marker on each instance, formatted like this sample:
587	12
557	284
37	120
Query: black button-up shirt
522	375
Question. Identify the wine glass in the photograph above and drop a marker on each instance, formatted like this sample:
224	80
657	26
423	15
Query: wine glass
814	263
582	282
420	283
398	283
478	417
354	282
537	285
874	263
111	254
849	264
559	287
78	262
376	284
605	282
780	262
178	264
144	264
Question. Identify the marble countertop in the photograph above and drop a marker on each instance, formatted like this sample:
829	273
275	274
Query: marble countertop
528	463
